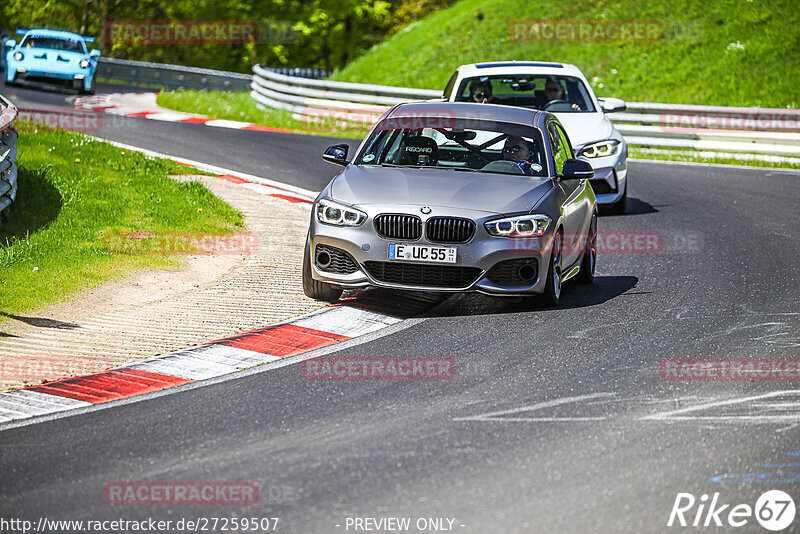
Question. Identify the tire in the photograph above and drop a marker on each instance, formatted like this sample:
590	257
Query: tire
619	207
552	288
589	260
91	89
313	288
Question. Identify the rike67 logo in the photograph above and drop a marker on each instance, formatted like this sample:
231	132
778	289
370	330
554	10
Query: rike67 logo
774	510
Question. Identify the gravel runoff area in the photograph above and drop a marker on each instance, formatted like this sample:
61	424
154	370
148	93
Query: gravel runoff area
216	295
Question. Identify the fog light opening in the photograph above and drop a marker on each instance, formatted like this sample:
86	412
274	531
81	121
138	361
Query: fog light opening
323	259
526	272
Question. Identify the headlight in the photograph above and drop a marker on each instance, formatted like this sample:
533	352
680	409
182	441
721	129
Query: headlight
523	226
598	150
84	63
330	212
18	56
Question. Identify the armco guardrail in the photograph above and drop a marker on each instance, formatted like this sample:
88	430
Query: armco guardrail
314	99
734	131
172	76
8	154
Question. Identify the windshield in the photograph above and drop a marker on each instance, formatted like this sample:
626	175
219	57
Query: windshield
559	94
456	144
53	44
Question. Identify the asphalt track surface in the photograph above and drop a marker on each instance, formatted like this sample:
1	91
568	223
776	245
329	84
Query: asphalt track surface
588	441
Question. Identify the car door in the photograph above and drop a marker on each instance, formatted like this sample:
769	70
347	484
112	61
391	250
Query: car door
575	206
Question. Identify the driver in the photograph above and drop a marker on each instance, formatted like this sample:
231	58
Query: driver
553	90
519	151
481	91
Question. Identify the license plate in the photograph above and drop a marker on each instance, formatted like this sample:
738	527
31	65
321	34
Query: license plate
422	253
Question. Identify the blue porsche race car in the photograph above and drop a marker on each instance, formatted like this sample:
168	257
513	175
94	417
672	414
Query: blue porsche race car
52	57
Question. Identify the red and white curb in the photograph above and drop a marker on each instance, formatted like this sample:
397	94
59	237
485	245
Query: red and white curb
364	314
103	103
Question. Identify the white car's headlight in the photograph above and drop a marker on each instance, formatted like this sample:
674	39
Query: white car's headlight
522	226
18	56
84	63
598	150
330	212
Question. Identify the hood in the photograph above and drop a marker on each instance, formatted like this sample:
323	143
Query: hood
361	185
52	55
584	128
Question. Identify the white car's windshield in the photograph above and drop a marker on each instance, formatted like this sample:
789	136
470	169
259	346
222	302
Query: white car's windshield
557	94
456	144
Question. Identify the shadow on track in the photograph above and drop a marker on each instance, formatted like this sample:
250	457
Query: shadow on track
603	289
636	206
41	322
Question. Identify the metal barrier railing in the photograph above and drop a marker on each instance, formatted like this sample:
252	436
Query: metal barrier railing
8	156
172	76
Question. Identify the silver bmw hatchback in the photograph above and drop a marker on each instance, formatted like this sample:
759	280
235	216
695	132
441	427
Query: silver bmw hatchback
455	197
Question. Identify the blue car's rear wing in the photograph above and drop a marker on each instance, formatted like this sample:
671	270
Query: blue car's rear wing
23	31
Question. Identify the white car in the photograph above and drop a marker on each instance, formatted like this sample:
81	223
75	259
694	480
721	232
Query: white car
561	89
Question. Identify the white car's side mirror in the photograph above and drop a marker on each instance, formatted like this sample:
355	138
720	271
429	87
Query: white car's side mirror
612	105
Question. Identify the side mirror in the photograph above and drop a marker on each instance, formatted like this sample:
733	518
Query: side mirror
576	169
95	53
10	43
336	154
612	105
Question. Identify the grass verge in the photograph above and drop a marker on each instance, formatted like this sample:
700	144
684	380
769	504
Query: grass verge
239	106
73	193
668	154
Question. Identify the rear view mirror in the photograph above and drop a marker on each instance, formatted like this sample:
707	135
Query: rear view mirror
576	169
10	43
460	135
95	53
336	154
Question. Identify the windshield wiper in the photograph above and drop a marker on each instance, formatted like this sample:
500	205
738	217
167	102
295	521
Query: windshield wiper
401	166
462	169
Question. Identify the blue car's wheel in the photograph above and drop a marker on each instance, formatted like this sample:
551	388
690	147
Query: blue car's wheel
91	89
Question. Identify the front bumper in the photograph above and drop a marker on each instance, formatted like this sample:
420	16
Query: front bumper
479	256
20	74
610	175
